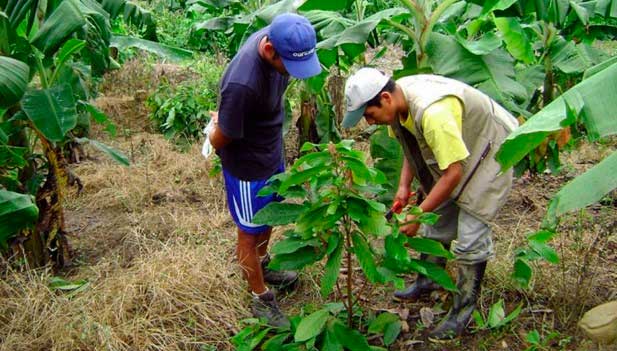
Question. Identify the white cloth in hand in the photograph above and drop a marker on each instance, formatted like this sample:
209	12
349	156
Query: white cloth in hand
207	148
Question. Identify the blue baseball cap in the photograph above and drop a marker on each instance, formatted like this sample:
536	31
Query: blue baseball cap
294	40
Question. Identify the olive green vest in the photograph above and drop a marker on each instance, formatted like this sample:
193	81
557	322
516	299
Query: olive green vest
483	189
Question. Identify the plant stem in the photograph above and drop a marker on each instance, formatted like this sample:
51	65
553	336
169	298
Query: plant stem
42	73
349	279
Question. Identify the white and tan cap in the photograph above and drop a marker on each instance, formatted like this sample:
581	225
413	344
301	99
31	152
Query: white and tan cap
361	87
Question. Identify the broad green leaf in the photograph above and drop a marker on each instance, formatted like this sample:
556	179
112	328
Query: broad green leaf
111	152
599	67
573	58
533	337
492	73
51	110
388	156
313	159
483	46
291	245
391	333
349	338
522	272
311	326
5	32
330	342
171	52
297	260
494	5
17	211
365	257
581	12
64	21
397	255
496	314
358	33
589	97
429	246
378	325
328	24
275	343
545	251
278	213
325	5
509	318
542	236
70	47
298	178
268	13
587	188
434	272
14	76
12	156
96	114
517	43
359	171
331	270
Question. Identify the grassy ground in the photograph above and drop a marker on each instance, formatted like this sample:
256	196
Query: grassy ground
156	245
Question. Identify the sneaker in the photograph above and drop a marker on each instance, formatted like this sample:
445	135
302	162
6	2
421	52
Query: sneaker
280	280
265	306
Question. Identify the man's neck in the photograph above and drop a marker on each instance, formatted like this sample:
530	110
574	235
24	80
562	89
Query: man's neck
402	107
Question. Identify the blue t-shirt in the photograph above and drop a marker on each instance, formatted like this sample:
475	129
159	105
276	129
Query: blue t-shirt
251	113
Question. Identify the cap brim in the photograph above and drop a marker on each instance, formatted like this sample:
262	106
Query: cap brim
303	69
353	117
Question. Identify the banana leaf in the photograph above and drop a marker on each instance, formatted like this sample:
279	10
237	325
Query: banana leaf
584	190
17	211
52	111
14	77
492	73
590	100
171	52
62	23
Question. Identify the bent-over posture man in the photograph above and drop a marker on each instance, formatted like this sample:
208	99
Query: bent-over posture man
248	138
450	133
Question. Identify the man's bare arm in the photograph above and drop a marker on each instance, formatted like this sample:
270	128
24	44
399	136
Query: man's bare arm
217	139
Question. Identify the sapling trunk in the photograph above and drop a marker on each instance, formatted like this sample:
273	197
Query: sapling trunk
349	280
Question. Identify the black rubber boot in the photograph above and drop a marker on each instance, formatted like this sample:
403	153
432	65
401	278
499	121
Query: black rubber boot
469	282
280	280
265	306
422	285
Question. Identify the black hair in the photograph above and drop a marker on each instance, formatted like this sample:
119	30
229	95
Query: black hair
376	100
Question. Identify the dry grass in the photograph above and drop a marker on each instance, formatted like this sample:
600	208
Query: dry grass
156	246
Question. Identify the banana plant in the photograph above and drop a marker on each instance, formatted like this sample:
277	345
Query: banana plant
49	50
584	103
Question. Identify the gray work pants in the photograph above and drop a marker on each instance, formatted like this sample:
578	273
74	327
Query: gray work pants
469	237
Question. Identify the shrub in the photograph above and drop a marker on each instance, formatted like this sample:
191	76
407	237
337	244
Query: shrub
180	111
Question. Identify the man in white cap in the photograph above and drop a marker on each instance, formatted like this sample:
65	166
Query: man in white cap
248	138
450	133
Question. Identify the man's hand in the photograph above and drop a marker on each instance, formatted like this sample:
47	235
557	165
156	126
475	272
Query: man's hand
410	229
402	195
217	138
214	115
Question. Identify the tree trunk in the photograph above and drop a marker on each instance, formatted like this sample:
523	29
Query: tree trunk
307	130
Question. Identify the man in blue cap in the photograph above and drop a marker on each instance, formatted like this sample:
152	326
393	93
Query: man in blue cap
248	138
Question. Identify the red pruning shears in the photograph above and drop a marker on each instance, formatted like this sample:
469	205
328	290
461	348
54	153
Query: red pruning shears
396	208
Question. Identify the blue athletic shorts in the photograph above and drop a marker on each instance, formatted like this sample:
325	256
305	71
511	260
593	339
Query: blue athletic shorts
243	201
